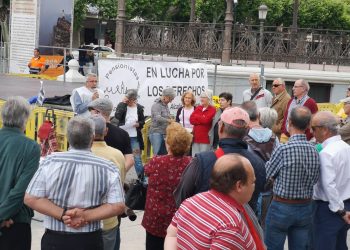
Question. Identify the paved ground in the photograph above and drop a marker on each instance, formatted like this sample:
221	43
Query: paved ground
28	87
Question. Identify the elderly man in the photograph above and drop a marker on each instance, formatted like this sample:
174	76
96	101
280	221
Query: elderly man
344	131
75	190
217	219
110	232
294	167
81	97
233	127
300	98
19	159
332	191
161	117
257	93
279	103
116	137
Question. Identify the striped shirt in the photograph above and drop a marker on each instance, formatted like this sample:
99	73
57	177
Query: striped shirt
209	220
295	166
76	179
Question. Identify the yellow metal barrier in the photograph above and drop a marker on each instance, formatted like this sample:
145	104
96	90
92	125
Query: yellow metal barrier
61	118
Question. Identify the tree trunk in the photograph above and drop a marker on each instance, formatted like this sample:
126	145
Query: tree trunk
193	11
295	14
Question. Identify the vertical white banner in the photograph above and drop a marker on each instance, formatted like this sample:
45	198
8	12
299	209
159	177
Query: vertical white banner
24	22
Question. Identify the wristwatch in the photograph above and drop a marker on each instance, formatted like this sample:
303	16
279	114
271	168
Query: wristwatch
341	212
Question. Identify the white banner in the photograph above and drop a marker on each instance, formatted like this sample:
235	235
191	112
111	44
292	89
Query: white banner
23	34
150	78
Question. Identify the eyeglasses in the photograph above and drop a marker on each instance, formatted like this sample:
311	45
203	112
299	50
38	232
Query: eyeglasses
316	126
276	85
348	89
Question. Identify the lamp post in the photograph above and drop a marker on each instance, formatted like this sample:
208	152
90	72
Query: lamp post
235	2
226	50
262	17
119	44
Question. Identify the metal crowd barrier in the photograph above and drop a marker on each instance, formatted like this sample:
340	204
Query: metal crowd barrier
61	118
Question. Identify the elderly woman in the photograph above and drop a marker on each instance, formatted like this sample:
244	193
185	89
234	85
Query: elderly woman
201	119
160	115
130	117
183	113
164	174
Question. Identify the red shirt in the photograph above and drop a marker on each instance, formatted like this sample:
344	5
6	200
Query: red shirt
201	121
310	104
210	220
164	172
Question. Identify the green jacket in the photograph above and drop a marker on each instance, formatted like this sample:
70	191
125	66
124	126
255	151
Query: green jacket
19	159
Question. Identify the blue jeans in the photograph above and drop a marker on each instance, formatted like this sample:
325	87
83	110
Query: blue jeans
117	238
292	220
329	229
158	144
137	155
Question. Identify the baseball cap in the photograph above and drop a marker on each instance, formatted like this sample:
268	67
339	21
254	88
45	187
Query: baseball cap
231	115
103	105
345	100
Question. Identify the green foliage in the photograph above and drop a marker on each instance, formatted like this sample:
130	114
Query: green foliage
331	14
108	10
159	10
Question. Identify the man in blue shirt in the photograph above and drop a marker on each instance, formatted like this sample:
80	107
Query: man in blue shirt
294	168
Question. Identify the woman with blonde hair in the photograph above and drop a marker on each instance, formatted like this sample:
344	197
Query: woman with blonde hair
164	172
183	113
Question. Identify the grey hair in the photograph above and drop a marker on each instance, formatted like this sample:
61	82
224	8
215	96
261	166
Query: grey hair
305	84
80	132
15	112
236	132
281	81
267	117
131	94
100	124
170	92
90	75
329	121
252	109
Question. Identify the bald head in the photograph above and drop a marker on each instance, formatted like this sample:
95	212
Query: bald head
228	170
326	120
300	118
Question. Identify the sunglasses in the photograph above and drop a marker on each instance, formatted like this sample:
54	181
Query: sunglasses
276	85
348	89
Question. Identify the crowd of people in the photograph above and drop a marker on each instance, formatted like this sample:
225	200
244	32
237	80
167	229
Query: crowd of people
243	176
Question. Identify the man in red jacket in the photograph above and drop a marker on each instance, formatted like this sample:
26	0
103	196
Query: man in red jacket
300	98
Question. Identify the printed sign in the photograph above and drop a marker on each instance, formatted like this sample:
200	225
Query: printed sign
150	78
23	34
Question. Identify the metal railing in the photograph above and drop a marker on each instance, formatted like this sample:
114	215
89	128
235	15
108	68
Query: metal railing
205	41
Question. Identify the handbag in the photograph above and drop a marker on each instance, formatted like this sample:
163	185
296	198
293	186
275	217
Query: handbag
135	197
47	135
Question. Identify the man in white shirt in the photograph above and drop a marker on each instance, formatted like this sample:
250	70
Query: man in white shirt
332	191
81	97
262	97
